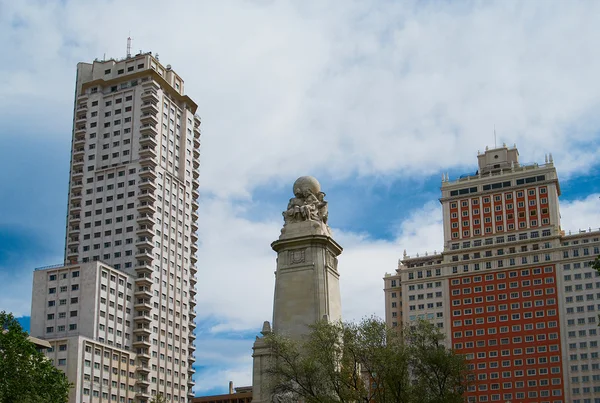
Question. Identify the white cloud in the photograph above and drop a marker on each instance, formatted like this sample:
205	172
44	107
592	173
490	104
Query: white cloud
347	88
581	214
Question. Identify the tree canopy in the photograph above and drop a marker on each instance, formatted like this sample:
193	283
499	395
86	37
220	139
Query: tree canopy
26	375
366	362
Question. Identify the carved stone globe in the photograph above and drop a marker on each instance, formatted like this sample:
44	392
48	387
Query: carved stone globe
304	183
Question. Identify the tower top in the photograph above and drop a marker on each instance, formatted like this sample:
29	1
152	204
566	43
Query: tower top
497	159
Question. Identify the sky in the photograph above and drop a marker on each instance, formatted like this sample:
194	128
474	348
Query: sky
375	99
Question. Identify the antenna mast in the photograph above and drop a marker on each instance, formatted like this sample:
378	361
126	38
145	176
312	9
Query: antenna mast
128	46
495	144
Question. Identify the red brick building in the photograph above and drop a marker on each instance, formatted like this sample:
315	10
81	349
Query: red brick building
510	289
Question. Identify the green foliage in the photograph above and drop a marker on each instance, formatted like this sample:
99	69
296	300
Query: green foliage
26	376
159	398
366	362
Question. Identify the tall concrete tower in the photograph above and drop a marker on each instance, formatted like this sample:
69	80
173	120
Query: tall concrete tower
119	313
307	286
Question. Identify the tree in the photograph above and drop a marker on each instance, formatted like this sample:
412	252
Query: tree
26	375
159	398
440	375
366	362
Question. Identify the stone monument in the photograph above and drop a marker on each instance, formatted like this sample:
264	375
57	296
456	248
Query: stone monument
307	286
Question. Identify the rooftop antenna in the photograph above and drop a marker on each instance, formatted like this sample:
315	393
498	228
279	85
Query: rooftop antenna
129	46
495	145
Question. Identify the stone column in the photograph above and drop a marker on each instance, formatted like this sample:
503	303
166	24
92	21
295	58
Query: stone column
307	282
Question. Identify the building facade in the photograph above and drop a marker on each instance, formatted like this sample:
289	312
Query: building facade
119	313
510	289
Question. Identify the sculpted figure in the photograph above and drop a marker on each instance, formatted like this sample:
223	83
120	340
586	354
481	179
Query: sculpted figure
308	203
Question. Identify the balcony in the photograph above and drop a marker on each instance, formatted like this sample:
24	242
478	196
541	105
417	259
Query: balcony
147	197
74	229
142	331
195	205
76	196
196	142
195	194
76	185
78	152
141	342
82	97
192	326
79	141
150	95
147	173
145	219
193	292
80	117
194	248
72	254
142	380
196	164
197	132
145	292
73	242
148	129
196	152
82	107
74	218
151	84
143	368
145	230
194	237
149	107
148	163
147	184
143	268
144	395
77	175
148	140
75	207
78	164
192	314
80	130
143	305
147	152
144	241
143	281
144	254
143	353
194	259
146	207
194	226
193	281
193	271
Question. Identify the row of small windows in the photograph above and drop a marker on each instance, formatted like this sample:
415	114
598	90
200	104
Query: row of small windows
509	206
487	199
121	71
500	239
53	277
61	328
503	275
61	302
503	329
500	228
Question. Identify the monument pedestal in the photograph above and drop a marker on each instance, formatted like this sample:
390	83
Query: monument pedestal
307	283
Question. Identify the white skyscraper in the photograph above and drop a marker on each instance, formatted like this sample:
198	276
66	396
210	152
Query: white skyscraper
119	313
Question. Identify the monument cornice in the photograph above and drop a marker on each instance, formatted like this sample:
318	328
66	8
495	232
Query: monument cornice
305	240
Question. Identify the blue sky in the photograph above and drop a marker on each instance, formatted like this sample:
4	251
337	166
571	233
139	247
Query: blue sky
376	99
